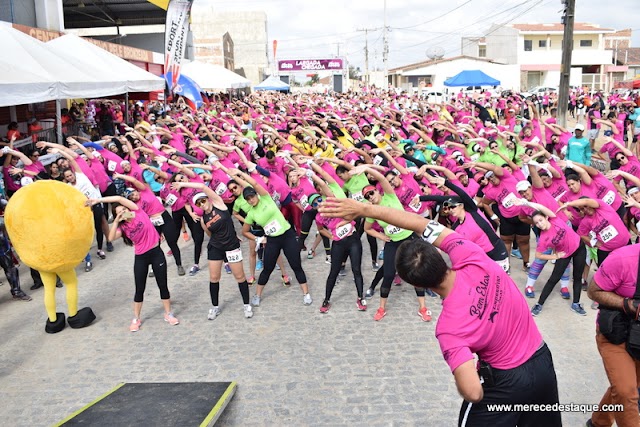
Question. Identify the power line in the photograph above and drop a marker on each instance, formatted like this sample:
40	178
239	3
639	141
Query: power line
436	18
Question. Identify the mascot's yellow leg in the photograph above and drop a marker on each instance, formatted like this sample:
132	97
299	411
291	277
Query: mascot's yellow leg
49	280
70	281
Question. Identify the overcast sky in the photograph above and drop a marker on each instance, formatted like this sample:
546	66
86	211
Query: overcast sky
307	29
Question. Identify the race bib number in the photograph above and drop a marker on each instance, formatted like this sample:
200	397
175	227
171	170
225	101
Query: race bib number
509	201
234	255
220	189
535	140
157	221
608	233
377	160
609	197
26	180
358	197
272	228
391	230
304	202
344	231
111	166
415	205
171	199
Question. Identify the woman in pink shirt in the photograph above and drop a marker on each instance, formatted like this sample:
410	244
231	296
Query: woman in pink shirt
134	226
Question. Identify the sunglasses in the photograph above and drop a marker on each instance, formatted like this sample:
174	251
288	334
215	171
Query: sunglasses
201	202
369	194
317	202
620	158
450	205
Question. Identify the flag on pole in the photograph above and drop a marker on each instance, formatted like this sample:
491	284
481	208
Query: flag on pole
175	37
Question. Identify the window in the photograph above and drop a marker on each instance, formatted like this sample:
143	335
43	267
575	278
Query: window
586	43
482	52
542	43
528	45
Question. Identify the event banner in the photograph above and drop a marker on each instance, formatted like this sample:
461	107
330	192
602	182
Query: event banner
175	37
310	64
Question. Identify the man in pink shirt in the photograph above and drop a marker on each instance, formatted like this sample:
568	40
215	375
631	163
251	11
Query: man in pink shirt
482	312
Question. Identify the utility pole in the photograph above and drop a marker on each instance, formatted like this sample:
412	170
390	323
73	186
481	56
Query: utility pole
385	48
338	48
565	69
366	56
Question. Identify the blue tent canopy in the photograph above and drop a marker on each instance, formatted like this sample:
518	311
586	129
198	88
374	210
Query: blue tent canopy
272	83
187	88
471	78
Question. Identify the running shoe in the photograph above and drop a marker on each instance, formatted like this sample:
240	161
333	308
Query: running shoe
425	314
185	236
88	266
227	268
576	307
327	259
109	247
595	305
181	271
286	280
259	265
151	274
251	280
564	291
431	293
248	311
169	252
101	254
213	313
529	292
516	253
381	255
135	325
397	281
379	314
306	300
36	285
370	292
584	285
21	296
536	309
361	303
375	266
326	305
311	253
194	270
343	271
171	319
255	300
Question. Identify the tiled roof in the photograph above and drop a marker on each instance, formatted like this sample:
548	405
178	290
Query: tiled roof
578	26
630	56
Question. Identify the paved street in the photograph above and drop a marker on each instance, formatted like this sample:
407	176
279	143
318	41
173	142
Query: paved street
293	365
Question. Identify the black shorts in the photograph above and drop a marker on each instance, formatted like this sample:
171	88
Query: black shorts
218	254
511	226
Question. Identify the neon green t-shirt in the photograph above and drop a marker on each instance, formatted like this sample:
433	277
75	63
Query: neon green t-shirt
240	204
267	215
355	185
337	191
396	234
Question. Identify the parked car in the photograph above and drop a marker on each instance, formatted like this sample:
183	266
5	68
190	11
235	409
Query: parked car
539	91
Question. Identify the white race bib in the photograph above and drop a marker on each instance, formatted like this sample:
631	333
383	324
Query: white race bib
377	160
171	199
390	230
220	189
234	255
26	180
609	197
272	228
415	205
111	166
508	201
608	233
344	231
535	140
358	197
157	221
304	202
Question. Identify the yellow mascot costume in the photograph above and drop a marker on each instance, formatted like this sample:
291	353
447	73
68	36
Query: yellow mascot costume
52	231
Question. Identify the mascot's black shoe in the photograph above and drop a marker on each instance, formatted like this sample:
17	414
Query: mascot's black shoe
83	318
57	326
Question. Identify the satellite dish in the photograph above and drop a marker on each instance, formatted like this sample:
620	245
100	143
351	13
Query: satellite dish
435	52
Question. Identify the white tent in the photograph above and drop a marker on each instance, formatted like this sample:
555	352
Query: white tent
31	72
272	83
105	64
214	77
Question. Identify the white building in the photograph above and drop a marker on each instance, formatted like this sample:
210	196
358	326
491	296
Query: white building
433	73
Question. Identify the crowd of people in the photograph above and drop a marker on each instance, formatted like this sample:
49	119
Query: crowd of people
490	172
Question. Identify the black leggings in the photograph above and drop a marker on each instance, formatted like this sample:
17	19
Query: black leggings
154	258
171	235
579	258
340	249
286	243
307	221
373	243
197	233
98	214
389	268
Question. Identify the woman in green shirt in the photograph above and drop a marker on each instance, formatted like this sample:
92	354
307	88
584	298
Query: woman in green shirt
392	235
280	237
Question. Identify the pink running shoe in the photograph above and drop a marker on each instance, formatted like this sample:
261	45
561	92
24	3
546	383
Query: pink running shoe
135	325
379	314
361	303
171	319
425	314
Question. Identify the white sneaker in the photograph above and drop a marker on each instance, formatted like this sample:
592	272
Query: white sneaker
213	313
248	311
307	299
255	301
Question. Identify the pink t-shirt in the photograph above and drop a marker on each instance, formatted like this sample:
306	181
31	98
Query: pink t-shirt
407	191
544	198
277	187
618	273
277	167
331	224
470	230
504	194
149	203
171	197
605	191
609	229
141	232
218	183
559	237
301	192
485	312
632	167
